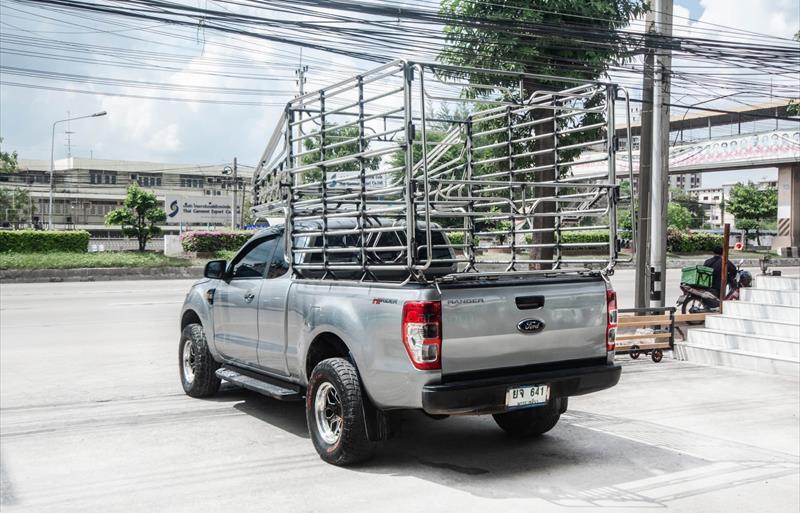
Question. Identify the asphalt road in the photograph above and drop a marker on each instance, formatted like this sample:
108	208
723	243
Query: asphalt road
92	418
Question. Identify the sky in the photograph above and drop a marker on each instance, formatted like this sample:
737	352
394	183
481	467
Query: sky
206	133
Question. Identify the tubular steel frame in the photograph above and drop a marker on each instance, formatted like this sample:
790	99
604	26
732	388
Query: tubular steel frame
370	159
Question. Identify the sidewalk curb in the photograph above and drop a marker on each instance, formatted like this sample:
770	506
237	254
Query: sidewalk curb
99	274
196	272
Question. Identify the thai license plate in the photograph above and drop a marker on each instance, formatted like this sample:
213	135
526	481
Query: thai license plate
527	395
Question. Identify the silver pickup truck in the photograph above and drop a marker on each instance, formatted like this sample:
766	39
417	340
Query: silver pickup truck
422	263
515	347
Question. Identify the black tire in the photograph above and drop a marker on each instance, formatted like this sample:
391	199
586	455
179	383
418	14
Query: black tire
531	421
657	355
635	353
687	307
204	381
337	377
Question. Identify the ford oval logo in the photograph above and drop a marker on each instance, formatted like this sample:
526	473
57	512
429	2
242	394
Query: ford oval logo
530	326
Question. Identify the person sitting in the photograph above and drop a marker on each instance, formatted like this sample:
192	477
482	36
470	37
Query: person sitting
715	263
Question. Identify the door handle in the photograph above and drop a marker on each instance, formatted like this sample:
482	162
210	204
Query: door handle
249	297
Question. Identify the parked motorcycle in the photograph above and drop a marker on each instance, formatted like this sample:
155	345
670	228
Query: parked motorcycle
704	300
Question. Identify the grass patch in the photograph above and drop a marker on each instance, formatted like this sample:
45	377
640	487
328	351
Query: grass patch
224	254
62	260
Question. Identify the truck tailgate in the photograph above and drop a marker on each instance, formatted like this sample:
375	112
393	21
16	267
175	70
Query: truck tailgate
512	324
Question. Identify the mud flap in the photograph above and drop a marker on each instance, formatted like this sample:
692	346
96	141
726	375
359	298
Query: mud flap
375	420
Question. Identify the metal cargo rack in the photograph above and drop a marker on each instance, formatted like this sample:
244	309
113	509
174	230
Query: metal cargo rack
506	168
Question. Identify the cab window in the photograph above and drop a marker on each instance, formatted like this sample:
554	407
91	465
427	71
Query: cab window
253	263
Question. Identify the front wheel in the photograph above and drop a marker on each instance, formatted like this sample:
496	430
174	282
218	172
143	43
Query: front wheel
530	421
335	414
197	366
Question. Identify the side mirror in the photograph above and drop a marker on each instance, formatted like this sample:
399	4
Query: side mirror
215	269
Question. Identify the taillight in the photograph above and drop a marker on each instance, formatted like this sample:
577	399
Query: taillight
611	327
422	333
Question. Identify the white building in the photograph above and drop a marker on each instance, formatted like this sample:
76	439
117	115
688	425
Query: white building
712	199
85	190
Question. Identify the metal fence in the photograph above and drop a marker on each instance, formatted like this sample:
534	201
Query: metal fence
381	163
116	244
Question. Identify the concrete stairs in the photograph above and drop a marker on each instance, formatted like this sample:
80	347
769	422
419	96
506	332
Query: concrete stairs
760	332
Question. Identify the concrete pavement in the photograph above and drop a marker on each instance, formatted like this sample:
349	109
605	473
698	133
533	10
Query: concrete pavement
92	418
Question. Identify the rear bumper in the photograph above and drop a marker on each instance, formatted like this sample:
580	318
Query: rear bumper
489	395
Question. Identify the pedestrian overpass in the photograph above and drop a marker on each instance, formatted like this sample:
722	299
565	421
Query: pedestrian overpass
773	148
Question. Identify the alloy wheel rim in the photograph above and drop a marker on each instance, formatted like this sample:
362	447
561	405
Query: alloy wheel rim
188	361
328	413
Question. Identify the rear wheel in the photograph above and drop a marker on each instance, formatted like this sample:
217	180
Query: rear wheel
635	352
531	421
335	414
693	305
197	366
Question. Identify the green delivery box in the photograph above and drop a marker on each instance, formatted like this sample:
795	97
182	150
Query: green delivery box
697	275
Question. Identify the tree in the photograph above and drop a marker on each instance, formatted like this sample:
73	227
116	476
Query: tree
678	216
8	161
684	199
138	216
794	105
333	135
498	35
752	207
15	206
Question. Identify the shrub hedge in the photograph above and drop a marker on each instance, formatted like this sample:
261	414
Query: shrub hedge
569	237
456	237
38	241
211	242
691	242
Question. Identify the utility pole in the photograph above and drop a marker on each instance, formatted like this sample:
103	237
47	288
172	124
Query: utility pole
235	188
301	90
660	161
645	170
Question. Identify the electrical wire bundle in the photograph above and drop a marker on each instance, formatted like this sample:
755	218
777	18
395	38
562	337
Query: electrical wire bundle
711	61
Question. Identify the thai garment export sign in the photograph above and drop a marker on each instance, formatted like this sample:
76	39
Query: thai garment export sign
190	210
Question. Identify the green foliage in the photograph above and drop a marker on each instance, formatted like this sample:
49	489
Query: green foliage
433	135
751	202
491	44
684	199
585	236
37	241
225	254
213	242
138	216
456	237
691	242
678	216
333	135
794	105
62	260
624	221
15	206
508	37
753	207
8	161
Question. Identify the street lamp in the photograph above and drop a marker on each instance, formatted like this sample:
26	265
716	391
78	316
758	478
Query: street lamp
52	144
228	170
